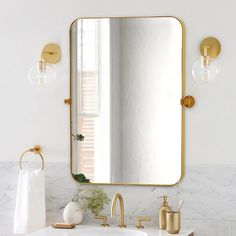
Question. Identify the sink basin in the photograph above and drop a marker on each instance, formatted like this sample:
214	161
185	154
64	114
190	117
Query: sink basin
90	230
110	232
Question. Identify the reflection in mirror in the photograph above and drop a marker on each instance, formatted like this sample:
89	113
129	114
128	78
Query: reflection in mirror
126	86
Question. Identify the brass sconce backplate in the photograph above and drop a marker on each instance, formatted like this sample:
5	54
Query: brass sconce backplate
188	101
51	53
213	47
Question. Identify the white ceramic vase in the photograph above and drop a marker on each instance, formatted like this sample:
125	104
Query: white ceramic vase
73	213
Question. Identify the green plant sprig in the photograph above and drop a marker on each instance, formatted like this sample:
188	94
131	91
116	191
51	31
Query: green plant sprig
94	202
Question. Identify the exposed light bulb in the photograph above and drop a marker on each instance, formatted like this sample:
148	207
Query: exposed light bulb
42	74
204	70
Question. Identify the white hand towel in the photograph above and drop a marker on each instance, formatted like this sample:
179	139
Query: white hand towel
30	212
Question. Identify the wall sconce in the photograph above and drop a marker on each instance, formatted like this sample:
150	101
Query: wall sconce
205	69
43	72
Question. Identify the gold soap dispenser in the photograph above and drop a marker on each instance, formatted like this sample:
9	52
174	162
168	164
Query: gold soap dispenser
162	213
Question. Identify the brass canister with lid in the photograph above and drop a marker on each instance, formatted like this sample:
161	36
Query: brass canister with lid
162	213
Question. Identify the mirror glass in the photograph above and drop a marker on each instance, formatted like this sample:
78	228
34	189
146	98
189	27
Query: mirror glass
126	86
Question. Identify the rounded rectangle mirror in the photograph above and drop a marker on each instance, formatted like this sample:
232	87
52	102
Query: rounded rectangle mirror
127	80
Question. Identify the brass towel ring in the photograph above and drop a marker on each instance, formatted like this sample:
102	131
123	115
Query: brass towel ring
36	150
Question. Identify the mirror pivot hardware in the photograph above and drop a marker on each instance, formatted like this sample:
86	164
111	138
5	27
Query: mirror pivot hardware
67	101
188	101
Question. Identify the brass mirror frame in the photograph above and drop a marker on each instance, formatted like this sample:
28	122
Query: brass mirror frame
182	92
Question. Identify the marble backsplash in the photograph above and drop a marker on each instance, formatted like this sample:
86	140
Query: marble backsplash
209	193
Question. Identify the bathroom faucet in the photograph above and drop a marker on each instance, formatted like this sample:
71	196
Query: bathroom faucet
113	209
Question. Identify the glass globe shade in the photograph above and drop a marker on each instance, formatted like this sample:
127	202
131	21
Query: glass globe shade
42	74
204	72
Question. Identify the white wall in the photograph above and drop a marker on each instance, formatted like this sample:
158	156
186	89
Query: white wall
34	115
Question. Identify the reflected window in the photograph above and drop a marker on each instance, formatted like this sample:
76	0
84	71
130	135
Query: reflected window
93	50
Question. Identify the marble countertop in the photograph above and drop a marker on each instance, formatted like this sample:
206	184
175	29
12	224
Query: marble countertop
150	231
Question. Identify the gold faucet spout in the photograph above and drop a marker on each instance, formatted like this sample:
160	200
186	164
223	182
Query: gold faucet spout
113	209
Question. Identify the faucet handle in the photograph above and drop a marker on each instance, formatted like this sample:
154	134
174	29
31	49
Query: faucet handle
140	219
104	220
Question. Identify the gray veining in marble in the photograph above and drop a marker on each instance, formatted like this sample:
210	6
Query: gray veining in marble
209	193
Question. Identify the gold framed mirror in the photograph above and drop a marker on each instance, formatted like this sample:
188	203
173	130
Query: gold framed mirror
126	84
